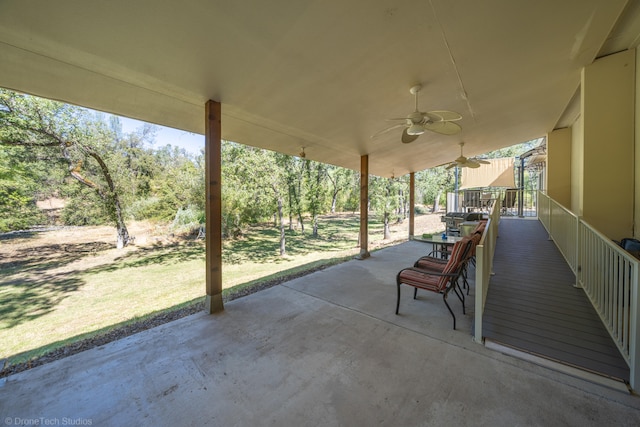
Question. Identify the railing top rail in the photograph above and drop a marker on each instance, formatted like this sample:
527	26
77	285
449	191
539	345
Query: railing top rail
567	211
494	215
484	235
610	243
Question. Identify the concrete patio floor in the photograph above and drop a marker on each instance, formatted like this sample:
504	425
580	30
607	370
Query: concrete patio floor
325	349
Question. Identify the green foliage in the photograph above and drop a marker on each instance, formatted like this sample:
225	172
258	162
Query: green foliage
387	198
84	208
514	150
79	138
17	210
44	140
343	187
177	181
433	184
126	177
251	180
316	201
19	186
188	219
152	207
420	209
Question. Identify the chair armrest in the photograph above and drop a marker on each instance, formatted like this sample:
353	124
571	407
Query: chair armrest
429	272
432	260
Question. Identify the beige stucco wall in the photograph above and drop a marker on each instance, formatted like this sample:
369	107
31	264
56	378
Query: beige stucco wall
558	176
608	114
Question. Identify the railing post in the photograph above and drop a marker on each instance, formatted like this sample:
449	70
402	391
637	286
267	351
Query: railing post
477	336
578	255
634	332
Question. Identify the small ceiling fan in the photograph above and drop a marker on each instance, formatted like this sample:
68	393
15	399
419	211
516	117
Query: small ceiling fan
464	162
417	122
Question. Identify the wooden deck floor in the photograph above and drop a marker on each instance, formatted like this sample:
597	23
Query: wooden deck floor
532	304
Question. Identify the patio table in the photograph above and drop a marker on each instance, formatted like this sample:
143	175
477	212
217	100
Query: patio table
438	242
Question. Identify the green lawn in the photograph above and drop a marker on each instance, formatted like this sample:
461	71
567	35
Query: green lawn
60	293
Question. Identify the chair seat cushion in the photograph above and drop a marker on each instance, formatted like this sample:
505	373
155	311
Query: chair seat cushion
422	280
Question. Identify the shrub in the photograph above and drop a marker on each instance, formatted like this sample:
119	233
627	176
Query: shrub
153	208
188	219
420	210
85	209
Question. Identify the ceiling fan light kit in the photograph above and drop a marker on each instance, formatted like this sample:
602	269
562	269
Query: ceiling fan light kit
415	129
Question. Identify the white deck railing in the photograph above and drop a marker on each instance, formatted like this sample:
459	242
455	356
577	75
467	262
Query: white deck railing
484	262
607	273
562	226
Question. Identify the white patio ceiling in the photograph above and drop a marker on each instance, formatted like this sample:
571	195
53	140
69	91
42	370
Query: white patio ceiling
320	74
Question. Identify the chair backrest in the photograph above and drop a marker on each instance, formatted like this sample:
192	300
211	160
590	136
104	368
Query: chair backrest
475	238
509	198
457	258
480	227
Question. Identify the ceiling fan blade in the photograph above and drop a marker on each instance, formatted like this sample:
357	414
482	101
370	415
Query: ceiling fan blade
444	116
390	128
479	161
444	128
451	165
406	138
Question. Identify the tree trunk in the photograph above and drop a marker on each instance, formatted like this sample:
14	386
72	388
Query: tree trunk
300	222
123	234
283	250
334	201
291	208
436	202
315	225
387	232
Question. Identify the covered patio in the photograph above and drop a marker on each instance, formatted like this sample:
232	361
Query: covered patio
283	77
324	349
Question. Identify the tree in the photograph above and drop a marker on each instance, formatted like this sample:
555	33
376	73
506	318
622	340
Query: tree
19	181
385	199
245	200
81	140
294	169
315	177
340	180
255	184
432	184
512	151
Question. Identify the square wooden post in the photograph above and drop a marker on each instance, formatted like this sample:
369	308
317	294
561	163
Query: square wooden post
364	207
213	209
412	203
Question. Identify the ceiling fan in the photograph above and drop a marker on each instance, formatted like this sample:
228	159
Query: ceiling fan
417	122
464	162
